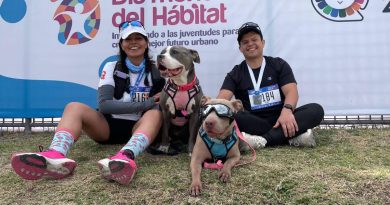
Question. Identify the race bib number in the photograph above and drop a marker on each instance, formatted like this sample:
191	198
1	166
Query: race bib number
265	97
140	94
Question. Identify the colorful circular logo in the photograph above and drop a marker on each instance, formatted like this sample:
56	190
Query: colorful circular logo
79	21
340	10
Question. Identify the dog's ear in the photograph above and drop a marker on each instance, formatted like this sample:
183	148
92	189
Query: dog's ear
195	56
204	99
237	104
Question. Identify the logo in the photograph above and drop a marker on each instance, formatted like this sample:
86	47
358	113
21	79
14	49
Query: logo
340	10
13	11
79	21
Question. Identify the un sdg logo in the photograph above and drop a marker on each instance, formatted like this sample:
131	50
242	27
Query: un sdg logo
340	10
79	21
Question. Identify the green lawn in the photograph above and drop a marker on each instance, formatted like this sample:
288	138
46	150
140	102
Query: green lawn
347	167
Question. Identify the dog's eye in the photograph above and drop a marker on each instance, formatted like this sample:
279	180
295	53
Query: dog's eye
174	52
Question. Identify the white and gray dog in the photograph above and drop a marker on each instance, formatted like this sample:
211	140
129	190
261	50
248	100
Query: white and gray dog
180	98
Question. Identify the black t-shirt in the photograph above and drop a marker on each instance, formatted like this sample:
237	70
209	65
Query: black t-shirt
277	71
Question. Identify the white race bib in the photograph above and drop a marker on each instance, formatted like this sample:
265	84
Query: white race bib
265	97
140	95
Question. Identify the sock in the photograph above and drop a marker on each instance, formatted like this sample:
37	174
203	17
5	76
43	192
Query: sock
137	143
62	141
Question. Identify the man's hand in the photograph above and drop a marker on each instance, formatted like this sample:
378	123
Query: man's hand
288	123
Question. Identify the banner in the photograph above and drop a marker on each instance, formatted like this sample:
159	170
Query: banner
52	52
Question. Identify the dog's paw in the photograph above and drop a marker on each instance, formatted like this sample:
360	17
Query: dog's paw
163	148
190	148
196	188
224	175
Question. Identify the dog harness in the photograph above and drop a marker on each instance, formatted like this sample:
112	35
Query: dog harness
219	148
181	97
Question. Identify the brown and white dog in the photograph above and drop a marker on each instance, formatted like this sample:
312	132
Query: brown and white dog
217	139
180	98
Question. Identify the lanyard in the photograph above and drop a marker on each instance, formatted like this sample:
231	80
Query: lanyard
256	85
137	82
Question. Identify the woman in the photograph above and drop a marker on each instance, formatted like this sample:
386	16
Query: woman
124	108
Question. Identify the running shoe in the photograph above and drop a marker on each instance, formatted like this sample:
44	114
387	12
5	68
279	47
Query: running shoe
50	163
305	139
120	167
255	141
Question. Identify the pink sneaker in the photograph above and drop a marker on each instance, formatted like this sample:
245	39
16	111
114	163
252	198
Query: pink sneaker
119	168
33	166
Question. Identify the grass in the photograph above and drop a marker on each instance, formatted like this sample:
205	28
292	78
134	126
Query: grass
347	167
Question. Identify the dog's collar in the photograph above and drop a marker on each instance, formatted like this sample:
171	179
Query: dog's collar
230	136
187	86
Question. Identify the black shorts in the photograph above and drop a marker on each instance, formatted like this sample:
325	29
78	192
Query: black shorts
120	130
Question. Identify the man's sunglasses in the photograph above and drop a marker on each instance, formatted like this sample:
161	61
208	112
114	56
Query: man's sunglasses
248	24
126	24
220	109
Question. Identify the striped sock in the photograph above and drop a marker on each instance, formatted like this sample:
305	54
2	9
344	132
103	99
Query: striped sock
137	143
62	141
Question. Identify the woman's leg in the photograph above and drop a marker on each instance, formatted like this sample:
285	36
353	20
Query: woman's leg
53	162
150	124
121	167
78	117
144	132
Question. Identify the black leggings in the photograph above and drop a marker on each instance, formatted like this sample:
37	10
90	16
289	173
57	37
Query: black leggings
307	117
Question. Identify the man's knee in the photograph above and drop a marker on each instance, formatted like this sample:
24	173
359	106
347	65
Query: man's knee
316	112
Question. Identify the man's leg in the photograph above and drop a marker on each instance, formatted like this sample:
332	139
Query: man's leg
307	116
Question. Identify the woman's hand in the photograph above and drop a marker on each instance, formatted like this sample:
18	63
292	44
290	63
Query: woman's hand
156	98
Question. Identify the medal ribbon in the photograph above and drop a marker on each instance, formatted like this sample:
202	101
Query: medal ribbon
256	85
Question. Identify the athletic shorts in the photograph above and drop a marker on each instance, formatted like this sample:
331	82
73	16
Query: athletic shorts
120	130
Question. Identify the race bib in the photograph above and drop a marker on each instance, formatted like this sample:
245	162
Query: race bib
139	94
265	97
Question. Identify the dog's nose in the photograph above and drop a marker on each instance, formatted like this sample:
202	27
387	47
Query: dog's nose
209	124
160	56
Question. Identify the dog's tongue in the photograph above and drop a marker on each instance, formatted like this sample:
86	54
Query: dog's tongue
174	72
184	112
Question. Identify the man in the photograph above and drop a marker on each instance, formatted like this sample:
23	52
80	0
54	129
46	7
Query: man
268	90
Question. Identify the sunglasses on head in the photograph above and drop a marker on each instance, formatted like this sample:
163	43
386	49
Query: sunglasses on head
220	109
126	24
248	24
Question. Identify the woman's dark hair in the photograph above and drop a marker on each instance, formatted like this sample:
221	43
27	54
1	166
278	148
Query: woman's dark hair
148	60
